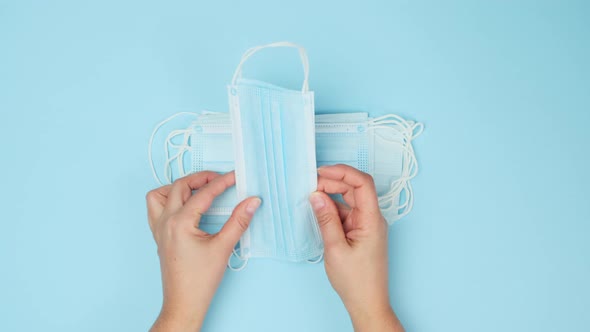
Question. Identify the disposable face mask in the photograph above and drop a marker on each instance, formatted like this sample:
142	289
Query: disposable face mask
274	152
381	147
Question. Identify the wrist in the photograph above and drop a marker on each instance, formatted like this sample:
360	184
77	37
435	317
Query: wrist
379	317
177	320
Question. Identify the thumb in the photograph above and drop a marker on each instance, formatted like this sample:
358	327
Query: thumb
328	219
239	221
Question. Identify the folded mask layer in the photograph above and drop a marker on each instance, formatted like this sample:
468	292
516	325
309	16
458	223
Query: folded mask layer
274	153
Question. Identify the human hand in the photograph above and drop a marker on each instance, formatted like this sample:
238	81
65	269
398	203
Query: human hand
192	261
355	246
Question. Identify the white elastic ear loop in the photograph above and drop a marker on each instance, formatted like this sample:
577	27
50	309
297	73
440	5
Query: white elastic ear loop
417	129
179	156
392	121
409	130
409	204
151	143
251	51
317	260
239	268
406	207
409	171
403	183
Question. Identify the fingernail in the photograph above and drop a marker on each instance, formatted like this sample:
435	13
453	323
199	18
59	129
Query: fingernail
253	206
317	201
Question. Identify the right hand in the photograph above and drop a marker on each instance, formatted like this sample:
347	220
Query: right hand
355	246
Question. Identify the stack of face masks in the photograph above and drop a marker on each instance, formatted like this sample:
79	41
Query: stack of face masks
275	143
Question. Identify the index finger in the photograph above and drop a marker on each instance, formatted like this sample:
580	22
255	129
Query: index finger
156	200
200	202
364	192
182	188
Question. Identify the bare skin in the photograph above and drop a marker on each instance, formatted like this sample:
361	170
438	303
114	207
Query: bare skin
193	262
355	246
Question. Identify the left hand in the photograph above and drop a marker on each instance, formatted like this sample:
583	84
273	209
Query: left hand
192	261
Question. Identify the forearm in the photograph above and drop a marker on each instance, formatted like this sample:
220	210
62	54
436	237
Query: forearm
376	320
170	321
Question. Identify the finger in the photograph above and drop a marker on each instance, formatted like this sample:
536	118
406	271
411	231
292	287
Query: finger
182	188
365	195
344	214
155	201
200	202
343	210
327	215
330	186
238	222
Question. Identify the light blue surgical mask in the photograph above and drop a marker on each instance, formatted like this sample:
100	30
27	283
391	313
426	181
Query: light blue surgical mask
274	152
379	146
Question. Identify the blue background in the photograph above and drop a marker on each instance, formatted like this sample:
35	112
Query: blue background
498	239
